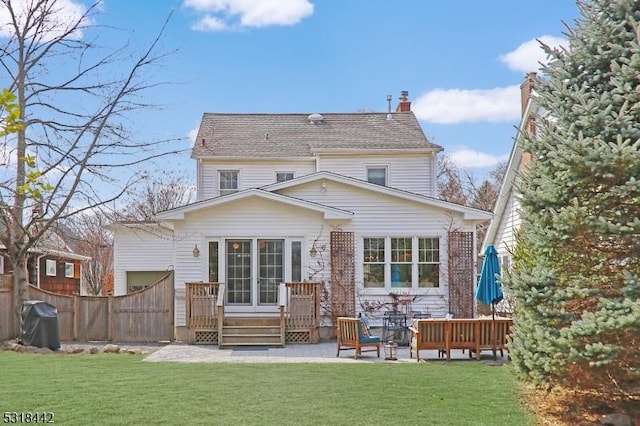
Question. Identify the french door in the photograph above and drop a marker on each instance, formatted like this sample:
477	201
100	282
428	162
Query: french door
254	271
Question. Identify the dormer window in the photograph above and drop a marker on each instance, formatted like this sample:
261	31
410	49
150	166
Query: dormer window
228	180
377	175
283	176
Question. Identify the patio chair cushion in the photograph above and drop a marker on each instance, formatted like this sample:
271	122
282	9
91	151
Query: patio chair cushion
363	333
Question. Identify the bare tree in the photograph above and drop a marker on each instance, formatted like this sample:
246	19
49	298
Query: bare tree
75	151
450	182
486	194
164	192
86	234
460	187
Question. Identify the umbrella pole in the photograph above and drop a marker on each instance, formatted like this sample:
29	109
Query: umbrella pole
493	329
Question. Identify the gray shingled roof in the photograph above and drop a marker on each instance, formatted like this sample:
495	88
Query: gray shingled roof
293	135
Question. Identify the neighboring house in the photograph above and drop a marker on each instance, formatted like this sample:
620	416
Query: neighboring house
502	230
506	220
348	199
52	265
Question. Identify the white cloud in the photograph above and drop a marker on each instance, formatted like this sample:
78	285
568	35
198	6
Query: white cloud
209	23
529	55
192	134
467	158
63	15
224	14
450	106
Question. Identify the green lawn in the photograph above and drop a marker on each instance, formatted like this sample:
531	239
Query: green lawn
122	389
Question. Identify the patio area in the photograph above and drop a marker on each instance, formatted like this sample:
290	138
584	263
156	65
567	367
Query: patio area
299	353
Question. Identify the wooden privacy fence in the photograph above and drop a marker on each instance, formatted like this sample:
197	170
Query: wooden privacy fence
144	316
6	313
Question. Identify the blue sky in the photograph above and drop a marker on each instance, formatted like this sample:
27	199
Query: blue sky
461	61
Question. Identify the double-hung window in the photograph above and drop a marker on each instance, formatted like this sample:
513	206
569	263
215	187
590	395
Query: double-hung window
228	180
401	262
377	175
373	266
428	262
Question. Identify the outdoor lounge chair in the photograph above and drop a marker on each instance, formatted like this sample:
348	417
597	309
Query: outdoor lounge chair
353	333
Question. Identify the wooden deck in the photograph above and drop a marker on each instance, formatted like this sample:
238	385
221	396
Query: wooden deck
296	321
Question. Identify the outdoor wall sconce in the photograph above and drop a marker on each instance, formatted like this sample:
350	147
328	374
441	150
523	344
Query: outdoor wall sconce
196	251
313	251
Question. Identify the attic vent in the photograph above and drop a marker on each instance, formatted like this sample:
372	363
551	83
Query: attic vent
316	118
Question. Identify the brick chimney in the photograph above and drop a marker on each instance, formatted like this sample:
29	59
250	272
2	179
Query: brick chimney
404	105
526	88
530	126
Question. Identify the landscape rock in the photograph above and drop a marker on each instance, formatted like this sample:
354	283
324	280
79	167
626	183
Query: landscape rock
81	347
111	348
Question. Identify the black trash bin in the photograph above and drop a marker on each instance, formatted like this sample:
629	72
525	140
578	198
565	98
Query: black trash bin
39	325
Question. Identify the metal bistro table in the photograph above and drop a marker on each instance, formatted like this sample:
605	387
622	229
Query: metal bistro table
394	328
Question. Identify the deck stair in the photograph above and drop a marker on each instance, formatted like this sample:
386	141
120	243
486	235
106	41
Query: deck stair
251	331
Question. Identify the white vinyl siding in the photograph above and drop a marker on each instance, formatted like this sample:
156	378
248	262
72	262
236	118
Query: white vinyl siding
509	223
388	216
253	174
237	220
409	172
375	214
140	250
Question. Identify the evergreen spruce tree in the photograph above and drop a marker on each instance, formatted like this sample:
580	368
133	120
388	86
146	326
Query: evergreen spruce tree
576	276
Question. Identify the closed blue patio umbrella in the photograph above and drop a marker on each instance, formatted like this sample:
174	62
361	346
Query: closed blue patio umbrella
489	290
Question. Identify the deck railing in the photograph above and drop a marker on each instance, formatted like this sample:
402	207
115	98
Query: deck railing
303	305
298	308
202	312
220	302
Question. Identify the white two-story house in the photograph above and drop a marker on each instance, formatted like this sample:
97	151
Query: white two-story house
344	199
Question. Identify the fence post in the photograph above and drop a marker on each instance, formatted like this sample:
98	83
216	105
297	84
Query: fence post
110	318
75	318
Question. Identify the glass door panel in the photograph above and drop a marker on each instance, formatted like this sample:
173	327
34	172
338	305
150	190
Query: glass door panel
270	270
239	272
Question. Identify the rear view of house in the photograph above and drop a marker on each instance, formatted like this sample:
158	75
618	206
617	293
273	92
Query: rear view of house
344	199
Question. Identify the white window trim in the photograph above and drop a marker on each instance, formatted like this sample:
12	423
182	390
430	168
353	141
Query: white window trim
286	253
415	288
1	264
228	191
50	268
293	175
66	269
